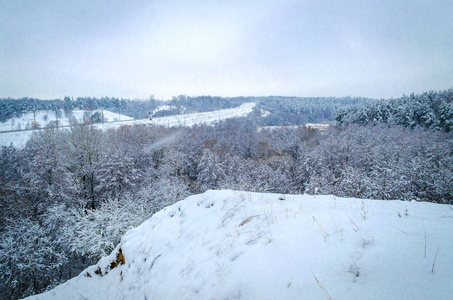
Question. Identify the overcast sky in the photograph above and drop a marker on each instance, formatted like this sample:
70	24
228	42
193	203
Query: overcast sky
135	49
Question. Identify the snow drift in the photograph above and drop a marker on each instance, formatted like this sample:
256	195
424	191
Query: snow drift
241	245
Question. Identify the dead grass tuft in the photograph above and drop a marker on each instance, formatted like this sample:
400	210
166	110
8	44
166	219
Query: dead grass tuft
119	260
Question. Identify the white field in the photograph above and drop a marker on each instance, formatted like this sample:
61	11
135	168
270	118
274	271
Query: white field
44	117
189	120
319	126
241	245
19	139
163	108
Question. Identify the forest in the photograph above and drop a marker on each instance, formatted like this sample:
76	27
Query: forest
69	195
431	110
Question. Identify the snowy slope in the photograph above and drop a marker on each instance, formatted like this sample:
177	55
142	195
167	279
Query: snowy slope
240	245
20	138
163	108
44	117
188	120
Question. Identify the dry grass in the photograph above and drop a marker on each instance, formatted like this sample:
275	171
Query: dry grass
424	230
356	227
398	229
323	289
323	232
432	270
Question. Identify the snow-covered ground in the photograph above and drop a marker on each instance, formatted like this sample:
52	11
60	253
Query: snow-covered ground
163	108
187	120
241	245
44	118
319	126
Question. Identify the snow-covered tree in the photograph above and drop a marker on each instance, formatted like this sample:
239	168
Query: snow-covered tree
29	260
85	159
115	176
95	233
210	170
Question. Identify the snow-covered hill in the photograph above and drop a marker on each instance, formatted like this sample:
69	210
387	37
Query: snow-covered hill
19	130
188	120
45	118
19	138
241	245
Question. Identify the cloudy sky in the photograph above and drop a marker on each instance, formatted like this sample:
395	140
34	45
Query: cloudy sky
135	49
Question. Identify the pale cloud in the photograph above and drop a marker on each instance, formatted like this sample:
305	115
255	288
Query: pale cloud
227	48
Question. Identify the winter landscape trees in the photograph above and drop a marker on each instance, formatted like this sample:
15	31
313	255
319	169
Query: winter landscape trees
281	110
429	110
69	195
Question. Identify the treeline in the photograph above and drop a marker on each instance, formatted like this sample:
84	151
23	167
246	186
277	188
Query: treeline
295	110
15	108
278	110
432	110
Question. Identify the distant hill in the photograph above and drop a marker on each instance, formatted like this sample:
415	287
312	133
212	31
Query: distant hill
17	131
278	110
297	110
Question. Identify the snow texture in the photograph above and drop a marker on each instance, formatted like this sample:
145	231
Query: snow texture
241	245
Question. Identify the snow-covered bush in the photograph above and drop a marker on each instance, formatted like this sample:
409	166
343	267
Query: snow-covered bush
30	258
95	233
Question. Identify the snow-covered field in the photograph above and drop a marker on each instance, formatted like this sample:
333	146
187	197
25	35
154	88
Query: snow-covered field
241	245
319	126
44	119
163	108
188	120
20	138
19	135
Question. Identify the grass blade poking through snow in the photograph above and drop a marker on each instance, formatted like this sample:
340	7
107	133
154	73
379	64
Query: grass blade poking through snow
432	270
424	230
323	289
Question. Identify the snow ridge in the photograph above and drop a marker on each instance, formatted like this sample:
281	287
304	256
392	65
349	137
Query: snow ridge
241	245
